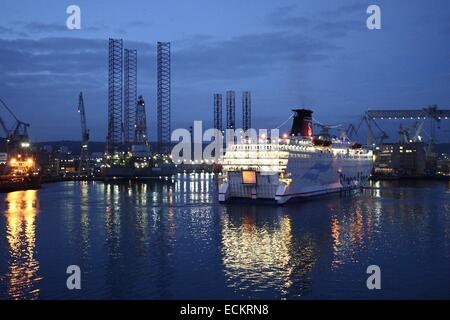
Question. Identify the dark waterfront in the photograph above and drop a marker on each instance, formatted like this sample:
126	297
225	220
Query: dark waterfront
172	240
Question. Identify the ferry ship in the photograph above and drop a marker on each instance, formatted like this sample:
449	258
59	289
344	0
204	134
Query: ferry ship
296	166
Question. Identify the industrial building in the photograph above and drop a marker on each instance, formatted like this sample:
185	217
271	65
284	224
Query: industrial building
443	165
411	156
402	160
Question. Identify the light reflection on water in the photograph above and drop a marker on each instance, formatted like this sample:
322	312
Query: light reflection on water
23	272
171	239
255	254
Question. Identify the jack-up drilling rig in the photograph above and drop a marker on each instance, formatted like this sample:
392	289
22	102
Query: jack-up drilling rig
83	167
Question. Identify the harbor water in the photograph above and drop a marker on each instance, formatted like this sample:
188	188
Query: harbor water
171	239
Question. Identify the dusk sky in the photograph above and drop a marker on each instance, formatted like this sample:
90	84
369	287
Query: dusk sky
289	54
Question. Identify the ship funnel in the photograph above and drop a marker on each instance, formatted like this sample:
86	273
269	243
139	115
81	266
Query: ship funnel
302	124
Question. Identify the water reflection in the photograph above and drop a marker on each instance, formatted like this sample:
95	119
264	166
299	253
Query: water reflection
23	278
85	220
172	240
139	224
350	228
260	251
193	188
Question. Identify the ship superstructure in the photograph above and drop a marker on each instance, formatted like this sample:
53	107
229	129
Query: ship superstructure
294	166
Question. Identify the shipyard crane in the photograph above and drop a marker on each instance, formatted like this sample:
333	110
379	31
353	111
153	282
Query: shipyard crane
412	134
83	167
431	112
16	138
404	135
372	138
418	128
20	159
349	132
325	129
5	129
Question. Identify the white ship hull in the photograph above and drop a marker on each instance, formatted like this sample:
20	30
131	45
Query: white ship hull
296	166
317	175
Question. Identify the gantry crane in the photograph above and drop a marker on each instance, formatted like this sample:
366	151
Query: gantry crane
372	139
20	158
17	137
413	134
432	113
83	167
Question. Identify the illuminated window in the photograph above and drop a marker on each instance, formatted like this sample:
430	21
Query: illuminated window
248	177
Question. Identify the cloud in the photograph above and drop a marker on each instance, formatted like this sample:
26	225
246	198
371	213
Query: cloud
58	55
22	29
250	55
5	31
47	73
139	24
336	29
331	23
285	17
348	9
286	63
205	59
43	27
54	56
